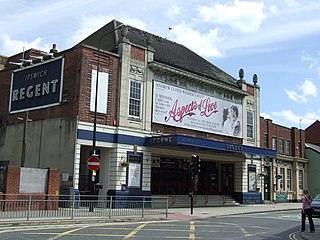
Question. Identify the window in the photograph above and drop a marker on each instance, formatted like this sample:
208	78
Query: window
274	143
265	140
289	179
300	179
282	187
250	124
281	145
135	99
287	147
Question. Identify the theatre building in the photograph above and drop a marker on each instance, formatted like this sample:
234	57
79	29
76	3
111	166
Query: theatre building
158	104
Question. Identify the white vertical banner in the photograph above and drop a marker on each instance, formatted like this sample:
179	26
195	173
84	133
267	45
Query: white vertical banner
102	91
134	175
183	108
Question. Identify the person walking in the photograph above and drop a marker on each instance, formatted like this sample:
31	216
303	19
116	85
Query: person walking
306	211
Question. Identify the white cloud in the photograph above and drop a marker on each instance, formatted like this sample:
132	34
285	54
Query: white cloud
90	24
295	96
243	16
203	44
309	88
287	115
274	9
305	89
10	46
290	119
266	116
173	11
314	62
291	3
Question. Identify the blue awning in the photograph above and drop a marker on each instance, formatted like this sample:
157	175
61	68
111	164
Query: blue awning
189	141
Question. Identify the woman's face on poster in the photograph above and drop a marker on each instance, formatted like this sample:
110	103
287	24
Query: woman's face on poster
232	113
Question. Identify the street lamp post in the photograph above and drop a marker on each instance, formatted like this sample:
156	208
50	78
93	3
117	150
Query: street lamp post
94	138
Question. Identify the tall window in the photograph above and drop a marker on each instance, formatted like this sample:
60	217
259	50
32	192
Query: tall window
135	98
287	147
288	179
274	143
281	145
265	140
300	179
249	124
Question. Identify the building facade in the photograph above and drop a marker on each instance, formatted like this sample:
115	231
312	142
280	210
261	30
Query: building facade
157	104
289	170
313	154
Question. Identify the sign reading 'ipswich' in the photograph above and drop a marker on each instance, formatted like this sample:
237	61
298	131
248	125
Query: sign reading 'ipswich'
193	110
37	86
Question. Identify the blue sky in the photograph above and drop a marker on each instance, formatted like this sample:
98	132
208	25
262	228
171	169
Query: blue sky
276	39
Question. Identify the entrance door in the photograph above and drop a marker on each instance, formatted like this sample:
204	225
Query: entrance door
208	178
227	178
266	183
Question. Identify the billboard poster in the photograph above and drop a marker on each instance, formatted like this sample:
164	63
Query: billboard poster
37	86
183	108
134	175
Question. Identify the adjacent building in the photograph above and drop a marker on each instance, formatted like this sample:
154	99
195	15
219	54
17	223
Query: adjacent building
287	172
144	105
313	154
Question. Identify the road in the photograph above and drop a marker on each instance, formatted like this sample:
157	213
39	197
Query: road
276	225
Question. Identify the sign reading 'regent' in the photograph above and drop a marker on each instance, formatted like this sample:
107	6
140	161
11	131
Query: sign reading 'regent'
37	86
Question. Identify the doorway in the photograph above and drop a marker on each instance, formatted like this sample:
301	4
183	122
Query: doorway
227	178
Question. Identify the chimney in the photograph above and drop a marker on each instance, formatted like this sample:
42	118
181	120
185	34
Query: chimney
54	49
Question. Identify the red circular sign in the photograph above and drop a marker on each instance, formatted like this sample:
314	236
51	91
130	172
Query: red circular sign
93	163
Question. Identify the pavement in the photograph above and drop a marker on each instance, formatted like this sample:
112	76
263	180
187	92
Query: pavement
198	213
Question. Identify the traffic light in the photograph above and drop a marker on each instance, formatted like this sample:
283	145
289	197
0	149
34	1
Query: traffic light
196	160
192	167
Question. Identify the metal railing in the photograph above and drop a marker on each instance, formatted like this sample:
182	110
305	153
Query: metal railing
37	206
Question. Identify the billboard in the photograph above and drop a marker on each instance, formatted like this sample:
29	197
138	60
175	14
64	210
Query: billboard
37	86
183	108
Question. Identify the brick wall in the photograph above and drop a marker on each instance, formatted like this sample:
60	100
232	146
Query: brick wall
108	63
281	132
137	53
16	202
78	65
313	133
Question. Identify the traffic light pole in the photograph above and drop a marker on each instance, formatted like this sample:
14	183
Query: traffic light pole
193	171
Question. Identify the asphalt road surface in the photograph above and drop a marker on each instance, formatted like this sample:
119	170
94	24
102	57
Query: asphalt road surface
275	225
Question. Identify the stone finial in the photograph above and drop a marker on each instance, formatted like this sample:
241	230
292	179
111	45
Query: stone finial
241	74
149	40
255	79
124	31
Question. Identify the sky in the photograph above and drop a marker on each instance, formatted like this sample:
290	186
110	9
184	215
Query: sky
276	39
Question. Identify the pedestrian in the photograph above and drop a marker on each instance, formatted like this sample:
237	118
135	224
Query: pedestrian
306	211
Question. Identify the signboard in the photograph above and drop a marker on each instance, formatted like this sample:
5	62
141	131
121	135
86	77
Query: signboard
93	163
37	86
134	175
187	109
